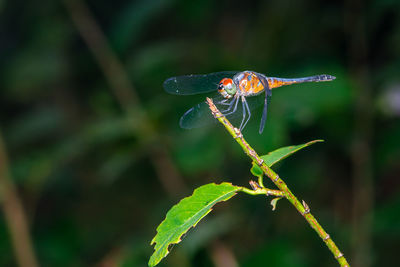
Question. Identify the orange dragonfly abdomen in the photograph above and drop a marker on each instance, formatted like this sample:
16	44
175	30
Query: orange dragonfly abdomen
250	82
274	82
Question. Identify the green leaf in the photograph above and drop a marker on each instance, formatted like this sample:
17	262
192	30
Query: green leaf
186	214
256	171
279	154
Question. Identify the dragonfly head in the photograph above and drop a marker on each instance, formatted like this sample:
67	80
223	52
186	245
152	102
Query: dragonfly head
227	88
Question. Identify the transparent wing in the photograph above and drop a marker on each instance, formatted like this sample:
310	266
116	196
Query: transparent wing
267	99
200	115
195	84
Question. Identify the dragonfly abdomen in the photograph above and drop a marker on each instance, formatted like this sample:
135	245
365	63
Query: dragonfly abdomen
274	82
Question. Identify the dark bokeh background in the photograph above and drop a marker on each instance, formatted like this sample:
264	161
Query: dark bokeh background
92	149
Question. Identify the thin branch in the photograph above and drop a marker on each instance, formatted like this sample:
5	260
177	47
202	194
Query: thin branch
14	214
98	45
263	191
124	92
303	209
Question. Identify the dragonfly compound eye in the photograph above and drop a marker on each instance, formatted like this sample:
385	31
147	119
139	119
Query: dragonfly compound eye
227	88
222	91
230	88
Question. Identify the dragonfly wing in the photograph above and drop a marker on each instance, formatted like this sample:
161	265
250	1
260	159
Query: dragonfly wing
200	115
264	81
197	116
195	84
267	98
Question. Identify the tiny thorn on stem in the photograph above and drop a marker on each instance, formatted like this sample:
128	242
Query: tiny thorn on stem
238	133
260	161
339	256
276	178
254	185
326	237
306	208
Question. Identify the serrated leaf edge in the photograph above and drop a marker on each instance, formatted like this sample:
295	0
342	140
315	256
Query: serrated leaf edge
233	192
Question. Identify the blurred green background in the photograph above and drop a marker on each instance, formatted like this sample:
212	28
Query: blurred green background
91	146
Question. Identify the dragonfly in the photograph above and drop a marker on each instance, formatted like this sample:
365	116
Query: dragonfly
232	87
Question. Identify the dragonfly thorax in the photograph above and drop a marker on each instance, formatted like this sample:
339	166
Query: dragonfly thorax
227	88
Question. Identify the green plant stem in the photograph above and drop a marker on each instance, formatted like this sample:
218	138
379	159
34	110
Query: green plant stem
261	181
302	208
263	191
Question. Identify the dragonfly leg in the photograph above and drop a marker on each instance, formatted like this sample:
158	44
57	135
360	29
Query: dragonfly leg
234	109
223	102
248	112
230	105
244	113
